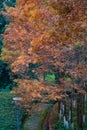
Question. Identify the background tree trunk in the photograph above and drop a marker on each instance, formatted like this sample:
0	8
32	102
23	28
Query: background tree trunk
80	112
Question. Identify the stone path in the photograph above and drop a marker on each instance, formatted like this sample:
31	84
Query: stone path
34	121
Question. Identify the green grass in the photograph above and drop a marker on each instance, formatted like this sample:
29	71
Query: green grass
7	111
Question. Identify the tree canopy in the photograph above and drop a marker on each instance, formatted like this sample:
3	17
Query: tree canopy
47	32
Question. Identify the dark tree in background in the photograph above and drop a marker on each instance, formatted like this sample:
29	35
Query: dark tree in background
5	72
4	75
7	2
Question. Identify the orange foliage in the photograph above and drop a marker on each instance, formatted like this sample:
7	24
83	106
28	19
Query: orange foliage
35	91
46	32
46	27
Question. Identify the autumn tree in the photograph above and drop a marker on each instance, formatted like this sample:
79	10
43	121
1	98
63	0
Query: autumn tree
41	28
46	32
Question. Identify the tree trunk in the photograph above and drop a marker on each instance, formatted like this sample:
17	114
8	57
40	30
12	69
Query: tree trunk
65	114
80	111
71	110
44	76
57	76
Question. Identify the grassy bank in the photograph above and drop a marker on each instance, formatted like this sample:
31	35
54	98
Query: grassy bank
7	112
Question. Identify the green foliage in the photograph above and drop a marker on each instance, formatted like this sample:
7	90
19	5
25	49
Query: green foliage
1	4
1	44
50	77
86	33
7	112
32	67
5	79
10	2
44	0
78	45
3	22
7	2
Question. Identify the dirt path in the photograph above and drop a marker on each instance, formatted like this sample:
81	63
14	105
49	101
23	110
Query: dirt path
48	122
34	121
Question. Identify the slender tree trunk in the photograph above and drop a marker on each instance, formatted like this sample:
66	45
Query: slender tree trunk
44	76
58	102
71	110
65	114
80	111
57	76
